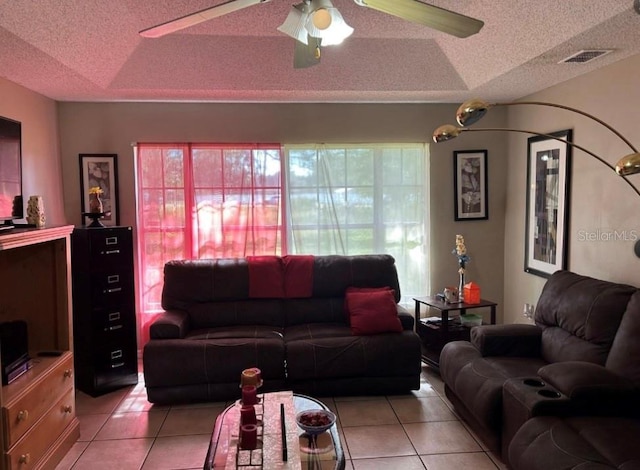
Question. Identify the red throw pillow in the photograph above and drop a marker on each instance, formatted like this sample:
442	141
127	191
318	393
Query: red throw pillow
373	312
352	289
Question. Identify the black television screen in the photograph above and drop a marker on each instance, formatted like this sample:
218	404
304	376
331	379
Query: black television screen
10	170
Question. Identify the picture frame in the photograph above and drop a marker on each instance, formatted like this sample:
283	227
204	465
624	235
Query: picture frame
470	184
547	210
100	170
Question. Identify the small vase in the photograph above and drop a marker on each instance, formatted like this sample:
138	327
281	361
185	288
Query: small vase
461	288
95	203
35	211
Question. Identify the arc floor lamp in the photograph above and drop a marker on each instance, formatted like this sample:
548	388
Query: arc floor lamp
473	110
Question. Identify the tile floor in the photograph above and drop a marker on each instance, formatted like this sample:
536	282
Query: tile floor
123	431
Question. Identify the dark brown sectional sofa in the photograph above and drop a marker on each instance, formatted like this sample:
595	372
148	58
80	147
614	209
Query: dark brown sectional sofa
214	326
536	391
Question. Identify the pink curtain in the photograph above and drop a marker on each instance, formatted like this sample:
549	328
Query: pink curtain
203	201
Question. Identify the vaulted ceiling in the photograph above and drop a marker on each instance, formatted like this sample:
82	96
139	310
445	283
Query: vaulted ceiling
90	50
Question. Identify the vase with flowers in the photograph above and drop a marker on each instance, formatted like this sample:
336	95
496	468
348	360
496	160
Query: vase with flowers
95	203
461	253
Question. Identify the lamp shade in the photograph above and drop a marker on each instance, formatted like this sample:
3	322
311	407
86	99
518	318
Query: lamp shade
294	25
471	111
629	165
446	132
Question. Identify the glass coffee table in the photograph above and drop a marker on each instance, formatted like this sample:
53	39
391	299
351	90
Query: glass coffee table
305	452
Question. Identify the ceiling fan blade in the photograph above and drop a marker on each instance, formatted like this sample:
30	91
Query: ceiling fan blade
434	17
197	17
306	55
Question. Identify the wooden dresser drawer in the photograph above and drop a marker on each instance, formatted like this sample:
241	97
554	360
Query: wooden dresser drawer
36	442
23	412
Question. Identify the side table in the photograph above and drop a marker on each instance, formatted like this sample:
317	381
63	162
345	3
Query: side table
435	334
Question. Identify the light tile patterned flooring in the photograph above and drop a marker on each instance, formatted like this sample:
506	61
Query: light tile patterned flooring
123	431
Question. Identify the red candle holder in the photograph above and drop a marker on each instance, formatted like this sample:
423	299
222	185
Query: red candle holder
248	415
249	395
248	436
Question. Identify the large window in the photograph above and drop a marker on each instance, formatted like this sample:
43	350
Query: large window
222	201
358	199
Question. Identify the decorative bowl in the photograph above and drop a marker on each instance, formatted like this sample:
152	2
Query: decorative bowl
315	421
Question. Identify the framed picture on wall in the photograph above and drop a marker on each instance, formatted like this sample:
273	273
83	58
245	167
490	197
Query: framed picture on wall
470	183
548	186
100	171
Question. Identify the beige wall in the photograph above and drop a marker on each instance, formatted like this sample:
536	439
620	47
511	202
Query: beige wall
112	127
40	150
600	201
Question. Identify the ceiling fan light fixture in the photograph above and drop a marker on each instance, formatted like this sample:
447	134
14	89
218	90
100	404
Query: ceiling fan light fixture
294	25
337	31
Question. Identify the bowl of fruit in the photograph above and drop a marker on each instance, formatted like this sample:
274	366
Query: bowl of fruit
315	421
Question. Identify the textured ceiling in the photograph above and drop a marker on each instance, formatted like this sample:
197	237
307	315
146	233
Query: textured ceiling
90	50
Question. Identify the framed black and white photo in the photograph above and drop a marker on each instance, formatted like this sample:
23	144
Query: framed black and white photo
100	170
470	183
547	212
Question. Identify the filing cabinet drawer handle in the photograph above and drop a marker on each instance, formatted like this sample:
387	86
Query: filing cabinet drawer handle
116	354
110	252
68	373
111	291
113	328
23	415
25	458
117	364
114	316
113	278
111	241
67	409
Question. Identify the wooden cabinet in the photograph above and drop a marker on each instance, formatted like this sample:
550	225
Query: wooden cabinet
104	309
39	424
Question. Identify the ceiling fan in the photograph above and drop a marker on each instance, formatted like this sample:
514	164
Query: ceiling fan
316	23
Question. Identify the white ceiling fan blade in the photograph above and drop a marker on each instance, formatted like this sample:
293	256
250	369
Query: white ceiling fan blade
197	17
429	15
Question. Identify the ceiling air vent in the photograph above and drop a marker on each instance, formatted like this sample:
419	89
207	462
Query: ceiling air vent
584	56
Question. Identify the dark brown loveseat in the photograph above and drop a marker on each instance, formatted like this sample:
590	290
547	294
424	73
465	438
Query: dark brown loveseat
213	328
581	358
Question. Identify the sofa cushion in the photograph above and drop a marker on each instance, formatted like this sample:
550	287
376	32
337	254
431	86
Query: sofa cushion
188	282
585	443
587	381
230	332
624	358
310	331
334	273
333	352
269	312
177	362
316	353
314	310
477	381
580	317
372	312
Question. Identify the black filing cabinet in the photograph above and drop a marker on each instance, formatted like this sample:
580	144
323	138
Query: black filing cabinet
104	320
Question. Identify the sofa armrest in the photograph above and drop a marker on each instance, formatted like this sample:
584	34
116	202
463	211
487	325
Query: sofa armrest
406	318
172	324
587	381
507	340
